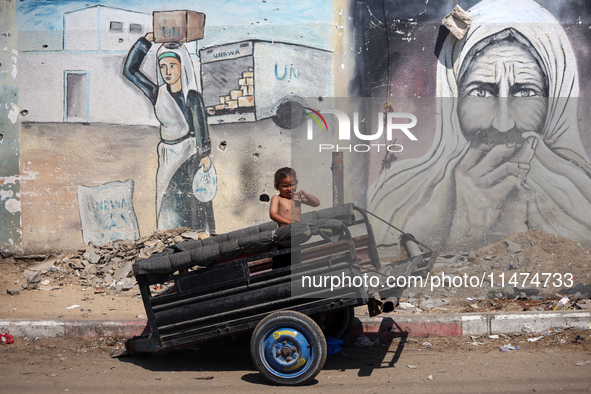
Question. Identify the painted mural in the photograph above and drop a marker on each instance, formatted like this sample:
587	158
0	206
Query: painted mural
98	94
106	213
128	124
509	152
185	146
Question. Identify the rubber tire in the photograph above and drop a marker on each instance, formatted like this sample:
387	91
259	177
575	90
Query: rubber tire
339	324
306	326
290	114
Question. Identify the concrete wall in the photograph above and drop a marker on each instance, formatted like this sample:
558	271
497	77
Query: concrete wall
452	189
10	197
83	141
452	192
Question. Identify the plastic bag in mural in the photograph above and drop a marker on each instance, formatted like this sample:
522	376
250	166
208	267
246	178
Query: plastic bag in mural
205	184
107	213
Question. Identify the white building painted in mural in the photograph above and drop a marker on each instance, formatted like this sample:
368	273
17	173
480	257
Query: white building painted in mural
87	70
102	28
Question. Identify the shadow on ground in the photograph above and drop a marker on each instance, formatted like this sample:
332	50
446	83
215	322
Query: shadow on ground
226	354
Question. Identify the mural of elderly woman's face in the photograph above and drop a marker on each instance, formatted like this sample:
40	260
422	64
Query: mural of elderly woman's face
170	69
502	93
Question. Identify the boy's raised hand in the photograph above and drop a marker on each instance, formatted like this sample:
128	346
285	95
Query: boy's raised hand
307	198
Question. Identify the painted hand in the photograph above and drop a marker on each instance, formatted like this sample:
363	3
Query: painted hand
489	180
206	163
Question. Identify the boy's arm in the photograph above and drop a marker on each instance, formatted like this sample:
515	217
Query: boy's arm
274	211
309	199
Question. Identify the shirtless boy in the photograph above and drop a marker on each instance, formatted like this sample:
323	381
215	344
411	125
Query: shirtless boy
286	208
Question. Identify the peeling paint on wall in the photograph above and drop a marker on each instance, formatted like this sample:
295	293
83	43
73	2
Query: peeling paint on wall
13	113
10	203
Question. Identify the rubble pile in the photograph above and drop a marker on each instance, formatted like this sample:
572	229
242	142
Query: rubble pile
534	267
105	268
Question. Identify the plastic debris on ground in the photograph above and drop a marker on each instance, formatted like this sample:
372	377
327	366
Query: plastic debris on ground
333	345
6	338
506	348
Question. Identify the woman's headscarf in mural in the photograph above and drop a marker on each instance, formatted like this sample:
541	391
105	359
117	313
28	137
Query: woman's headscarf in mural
419	194
172	120
188	80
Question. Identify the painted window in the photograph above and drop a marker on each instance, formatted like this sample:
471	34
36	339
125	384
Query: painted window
136	28
116	26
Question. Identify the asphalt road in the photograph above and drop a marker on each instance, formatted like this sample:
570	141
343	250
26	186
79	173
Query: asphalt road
448	366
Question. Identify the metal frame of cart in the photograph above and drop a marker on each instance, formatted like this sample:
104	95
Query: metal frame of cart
250	281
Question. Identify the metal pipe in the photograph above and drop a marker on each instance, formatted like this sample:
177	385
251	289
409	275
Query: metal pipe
389	304
410	245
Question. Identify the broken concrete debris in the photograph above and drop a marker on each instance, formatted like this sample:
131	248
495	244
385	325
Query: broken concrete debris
32	277
508	268
513	247
46	265
428	304
458	22
106	268
13	292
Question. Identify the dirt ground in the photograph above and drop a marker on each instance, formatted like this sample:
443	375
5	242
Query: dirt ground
96	282
69	301
434	365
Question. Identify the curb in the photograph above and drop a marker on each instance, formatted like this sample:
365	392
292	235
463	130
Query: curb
72	328
437	325
387	325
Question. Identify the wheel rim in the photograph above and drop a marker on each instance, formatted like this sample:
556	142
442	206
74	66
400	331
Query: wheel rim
286	351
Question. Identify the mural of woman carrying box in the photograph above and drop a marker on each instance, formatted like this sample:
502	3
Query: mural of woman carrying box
186	180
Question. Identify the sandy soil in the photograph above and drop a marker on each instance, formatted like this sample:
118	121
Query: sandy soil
69	301
436	365
96	282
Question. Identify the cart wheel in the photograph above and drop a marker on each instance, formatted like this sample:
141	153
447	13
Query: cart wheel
338	324
288	348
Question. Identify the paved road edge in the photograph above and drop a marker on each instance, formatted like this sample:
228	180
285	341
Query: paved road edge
379	326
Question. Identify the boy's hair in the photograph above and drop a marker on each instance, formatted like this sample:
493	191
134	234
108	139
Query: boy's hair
283	173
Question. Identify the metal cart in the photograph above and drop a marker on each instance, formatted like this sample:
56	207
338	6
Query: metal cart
276	282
